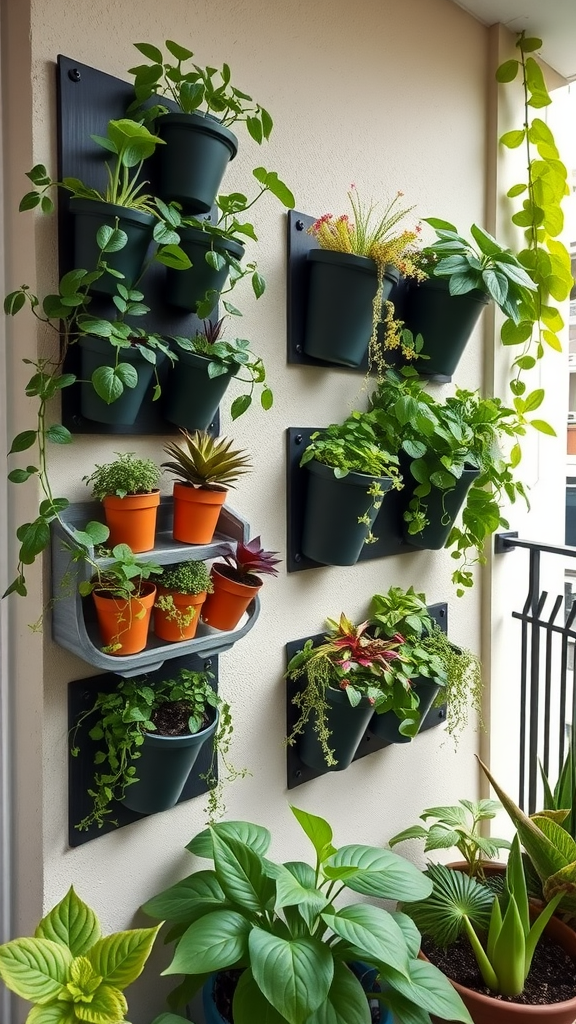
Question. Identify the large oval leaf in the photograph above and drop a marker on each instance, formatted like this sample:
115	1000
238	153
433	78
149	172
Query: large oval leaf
119	959
255	836
382	873
188	900
294	974
71	923
372	931
213	943
35	969
55	1013
429	989
346	1002
250	1005
241	873
318	831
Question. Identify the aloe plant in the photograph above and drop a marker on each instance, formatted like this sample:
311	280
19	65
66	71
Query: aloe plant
206	461
562	798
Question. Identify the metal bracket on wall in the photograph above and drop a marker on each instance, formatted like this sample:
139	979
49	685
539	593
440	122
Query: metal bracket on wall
81	769
296	771
86	100
388	527
504	542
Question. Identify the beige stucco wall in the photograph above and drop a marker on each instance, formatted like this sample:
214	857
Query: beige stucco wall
391	97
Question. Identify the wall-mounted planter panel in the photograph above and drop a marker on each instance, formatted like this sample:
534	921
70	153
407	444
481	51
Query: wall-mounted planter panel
74	624
81	769
299	770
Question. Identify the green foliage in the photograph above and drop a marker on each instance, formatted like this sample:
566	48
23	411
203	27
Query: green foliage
458	826
127	475
562	799
544	256
400	611
69	971
230	355
190	577
206	461
191	89
441	439
280	923
121	574
463	686
123	717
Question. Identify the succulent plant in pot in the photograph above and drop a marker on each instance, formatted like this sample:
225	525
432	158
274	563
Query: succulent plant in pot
123	597
236	583
181	592
207	363
204	467
128	490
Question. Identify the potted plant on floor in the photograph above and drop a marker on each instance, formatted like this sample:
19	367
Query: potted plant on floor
69	971
181	592
128	490
151	733
348	473
123	597
358	260
292	960
236	583
199	143
204	469
207	363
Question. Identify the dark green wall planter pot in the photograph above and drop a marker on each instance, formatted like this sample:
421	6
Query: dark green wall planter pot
185	288
193	161
385	726
347	725
162	769
341	288
97	352
445	322
332	534
89	216
192	397
443	507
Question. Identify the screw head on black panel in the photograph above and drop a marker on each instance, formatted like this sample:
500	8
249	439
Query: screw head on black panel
298	774
299	349
207	664
298	439
297	558
442	613
299	225
441	714
74	75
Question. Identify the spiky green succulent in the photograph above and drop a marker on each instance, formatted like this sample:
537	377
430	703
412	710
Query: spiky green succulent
206	461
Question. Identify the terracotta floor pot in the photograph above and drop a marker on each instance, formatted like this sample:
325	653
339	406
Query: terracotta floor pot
122	622
132	520
196	513
224	608
488	1010
167	626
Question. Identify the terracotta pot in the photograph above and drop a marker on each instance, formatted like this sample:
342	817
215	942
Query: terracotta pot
489	1010
571	439
489	867
168	628
122	622
132	520
224	608
196	513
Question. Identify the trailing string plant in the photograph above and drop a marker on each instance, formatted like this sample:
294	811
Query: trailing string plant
139	706
541	218
372	235
463	687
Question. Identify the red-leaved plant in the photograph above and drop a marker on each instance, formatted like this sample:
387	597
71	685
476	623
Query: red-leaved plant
252	560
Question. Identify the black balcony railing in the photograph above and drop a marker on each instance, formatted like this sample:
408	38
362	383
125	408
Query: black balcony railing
547	690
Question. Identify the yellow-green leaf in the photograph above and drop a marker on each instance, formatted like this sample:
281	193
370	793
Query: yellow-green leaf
120	958
71	923
543	427
513	139
35	969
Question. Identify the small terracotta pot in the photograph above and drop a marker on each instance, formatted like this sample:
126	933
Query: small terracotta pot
122	622
490	1010
168	628
132	520
224	608
571	439
196	513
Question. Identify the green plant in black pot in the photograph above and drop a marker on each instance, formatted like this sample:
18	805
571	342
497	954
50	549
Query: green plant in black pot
280	926
185	705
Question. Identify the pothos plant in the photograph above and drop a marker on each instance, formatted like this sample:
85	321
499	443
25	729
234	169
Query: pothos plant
70	972
544	256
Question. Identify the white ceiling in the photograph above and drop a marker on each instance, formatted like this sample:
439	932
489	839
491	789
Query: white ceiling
553	21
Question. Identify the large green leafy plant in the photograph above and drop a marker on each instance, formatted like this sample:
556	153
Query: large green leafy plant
70	972
280	925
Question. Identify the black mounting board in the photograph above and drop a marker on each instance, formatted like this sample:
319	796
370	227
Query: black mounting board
299	245
81	696
388	527
86	100
296	771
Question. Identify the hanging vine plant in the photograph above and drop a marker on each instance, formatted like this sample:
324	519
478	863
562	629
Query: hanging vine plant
545	257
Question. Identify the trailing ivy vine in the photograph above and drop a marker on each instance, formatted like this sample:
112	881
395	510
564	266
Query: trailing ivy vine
544	257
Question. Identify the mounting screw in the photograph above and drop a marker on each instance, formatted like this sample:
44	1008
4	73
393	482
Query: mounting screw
298	774
299	225
298	439
74	75
299	349
442	714
207	664
367	737
297	558
442	613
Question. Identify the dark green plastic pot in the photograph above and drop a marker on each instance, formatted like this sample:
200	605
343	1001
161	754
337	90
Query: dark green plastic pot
163	767
341	288
332	534
192	397
99	352
185	288
442	509
193	161
89	216
347	726
445	322
385	726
